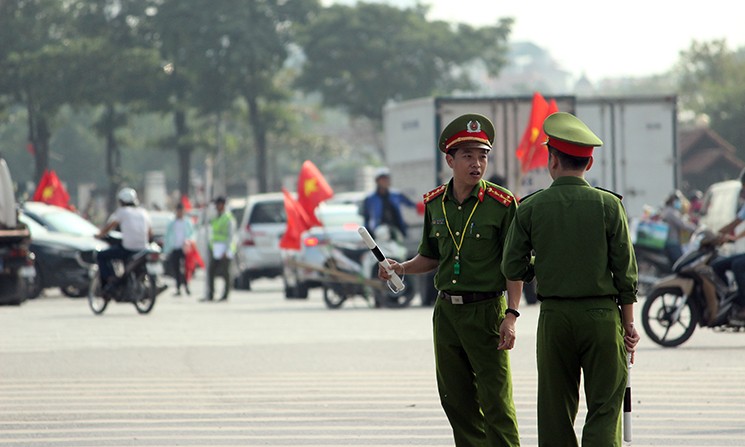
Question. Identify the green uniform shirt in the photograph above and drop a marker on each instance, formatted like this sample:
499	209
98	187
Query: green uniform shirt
581	240
481	250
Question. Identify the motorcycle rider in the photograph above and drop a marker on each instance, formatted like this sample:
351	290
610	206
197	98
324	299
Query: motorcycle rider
735	263
383	206
134	224
672	214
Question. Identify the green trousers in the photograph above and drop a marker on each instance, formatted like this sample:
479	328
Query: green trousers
580	336
473	377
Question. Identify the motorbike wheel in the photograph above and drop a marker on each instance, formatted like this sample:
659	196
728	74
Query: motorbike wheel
145	302
334	297
96	300
666	320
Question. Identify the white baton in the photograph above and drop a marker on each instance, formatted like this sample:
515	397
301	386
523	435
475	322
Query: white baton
627	403
398	285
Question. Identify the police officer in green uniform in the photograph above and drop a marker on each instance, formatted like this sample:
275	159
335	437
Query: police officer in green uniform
466	221
585	268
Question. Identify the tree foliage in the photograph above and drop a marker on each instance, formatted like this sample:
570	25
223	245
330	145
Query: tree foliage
360	57
712	85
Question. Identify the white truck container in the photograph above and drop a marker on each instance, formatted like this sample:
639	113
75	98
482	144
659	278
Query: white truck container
638	159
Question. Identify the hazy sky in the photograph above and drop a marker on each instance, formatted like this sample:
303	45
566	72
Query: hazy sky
603	39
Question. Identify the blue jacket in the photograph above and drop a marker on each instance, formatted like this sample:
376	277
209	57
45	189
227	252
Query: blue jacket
372	209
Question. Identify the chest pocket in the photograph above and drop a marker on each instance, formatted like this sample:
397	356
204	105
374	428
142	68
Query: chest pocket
480	241
439	234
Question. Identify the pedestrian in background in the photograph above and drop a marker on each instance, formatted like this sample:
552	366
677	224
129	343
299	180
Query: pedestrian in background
222	249
178	234
465	223
585	266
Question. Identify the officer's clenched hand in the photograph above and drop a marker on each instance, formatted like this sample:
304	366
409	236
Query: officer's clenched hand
395	266
630	339
507	332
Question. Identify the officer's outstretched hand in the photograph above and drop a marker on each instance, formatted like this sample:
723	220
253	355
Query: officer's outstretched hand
507	333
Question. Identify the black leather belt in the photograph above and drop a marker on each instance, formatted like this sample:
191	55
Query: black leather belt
468	297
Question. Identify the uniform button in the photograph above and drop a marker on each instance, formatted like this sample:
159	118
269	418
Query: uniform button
437	234
478	235
457	233
457	257
454	281
460	207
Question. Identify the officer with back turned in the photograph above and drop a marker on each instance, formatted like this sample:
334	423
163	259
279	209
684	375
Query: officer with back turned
585	269
465	224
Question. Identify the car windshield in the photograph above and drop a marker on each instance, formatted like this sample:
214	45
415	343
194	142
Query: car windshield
69	222
34	227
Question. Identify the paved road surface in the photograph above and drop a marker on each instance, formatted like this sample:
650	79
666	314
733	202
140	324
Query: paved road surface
262	370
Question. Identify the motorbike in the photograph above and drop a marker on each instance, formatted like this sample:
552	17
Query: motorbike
653	264
137	281
353	270
693	295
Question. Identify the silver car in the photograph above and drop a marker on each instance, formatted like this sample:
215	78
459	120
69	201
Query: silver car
302	269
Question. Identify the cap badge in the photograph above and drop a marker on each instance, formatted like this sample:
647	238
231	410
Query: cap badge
473	126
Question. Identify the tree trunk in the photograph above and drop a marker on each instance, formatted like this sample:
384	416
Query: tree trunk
113	158
184	153
38	136
259	132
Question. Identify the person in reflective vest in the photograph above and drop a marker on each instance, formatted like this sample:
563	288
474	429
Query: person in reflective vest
222	248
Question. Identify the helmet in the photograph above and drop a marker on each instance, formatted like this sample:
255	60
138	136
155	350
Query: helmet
127	195
382	172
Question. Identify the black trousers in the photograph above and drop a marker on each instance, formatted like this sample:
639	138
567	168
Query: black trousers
221	268
177	265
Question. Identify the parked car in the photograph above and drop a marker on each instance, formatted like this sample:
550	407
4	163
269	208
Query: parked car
301	269
58	219
262	226
60	259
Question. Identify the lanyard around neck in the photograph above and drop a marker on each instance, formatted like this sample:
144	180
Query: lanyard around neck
463	233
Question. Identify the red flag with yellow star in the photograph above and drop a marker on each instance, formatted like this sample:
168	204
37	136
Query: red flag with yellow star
531	152
297	222
50	190
312	189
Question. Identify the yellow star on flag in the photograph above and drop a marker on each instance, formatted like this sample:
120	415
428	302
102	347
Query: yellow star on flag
48	192
310	186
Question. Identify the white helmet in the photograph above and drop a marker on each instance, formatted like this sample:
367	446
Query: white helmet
127	196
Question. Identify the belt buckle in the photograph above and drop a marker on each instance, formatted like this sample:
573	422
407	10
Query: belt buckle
456	299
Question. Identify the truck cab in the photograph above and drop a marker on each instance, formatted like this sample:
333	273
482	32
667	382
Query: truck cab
16	260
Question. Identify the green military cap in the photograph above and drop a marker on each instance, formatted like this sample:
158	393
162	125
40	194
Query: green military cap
472	128
568	134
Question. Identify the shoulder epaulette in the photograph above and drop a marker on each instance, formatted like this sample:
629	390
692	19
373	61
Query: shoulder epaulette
620	197
529	196
434	193
500	195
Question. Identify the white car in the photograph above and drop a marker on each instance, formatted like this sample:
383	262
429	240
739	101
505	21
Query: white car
259	231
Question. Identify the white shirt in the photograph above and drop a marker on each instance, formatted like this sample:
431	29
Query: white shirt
134	223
